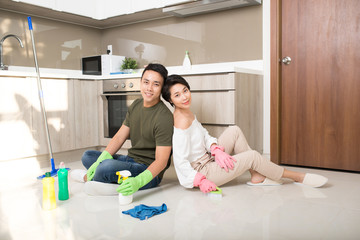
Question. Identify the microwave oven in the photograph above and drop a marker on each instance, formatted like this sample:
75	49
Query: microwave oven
102	64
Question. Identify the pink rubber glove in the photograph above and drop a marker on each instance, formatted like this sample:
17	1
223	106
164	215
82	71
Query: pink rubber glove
222	158
204	184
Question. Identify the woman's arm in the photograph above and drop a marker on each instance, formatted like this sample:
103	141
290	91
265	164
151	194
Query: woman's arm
209	140
181	152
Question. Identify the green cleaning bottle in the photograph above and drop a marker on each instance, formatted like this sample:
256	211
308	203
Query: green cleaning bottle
63	182
49	200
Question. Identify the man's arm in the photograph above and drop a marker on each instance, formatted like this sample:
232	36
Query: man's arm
118	140
162	154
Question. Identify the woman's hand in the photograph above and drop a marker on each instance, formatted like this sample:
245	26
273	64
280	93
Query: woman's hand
204	184
222	158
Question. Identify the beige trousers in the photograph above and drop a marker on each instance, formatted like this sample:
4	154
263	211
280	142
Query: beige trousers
234	142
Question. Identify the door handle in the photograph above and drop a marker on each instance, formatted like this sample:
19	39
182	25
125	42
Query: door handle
286	60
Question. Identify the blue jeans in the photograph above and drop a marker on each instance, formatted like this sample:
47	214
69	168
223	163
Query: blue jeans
106	171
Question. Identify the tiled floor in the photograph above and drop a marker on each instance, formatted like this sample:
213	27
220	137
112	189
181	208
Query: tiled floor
289	211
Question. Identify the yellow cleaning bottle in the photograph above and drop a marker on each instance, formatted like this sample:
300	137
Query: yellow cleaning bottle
49	200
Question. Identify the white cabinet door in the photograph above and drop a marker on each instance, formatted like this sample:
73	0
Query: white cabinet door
16	138
86	8
42	3
72	112
59	105
174	2
71	109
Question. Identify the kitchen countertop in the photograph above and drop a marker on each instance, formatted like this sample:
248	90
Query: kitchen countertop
252	67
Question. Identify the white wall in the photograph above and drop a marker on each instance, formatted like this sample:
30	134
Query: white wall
266	61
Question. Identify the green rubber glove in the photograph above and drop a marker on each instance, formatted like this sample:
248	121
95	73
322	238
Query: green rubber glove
133	184
91	171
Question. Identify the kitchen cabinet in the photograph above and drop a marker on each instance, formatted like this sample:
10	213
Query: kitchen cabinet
222	100
100	10
86	113
71	108
213	98
224	94
214	107
59	105
16	101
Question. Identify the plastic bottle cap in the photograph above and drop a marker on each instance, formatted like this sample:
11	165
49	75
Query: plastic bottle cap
123	175
47	174
62	165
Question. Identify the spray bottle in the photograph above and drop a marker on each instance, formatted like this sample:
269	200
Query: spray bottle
124	200
49	201
187	62
63	182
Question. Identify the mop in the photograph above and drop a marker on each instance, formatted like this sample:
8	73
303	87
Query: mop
42	104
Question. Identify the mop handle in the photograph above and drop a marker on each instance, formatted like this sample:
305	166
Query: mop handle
41	97
30	23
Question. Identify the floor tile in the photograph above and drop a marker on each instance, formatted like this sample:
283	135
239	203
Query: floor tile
289	211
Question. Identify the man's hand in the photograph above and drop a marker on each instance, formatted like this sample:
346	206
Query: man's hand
133	184
91	171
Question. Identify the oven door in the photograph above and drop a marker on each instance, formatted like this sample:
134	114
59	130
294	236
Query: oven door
115	109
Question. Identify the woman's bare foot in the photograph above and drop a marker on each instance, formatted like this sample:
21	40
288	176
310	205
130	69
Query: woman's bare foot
256	177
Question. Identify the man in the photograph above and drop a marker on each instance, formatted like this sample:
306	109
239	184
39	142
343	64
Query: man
149	125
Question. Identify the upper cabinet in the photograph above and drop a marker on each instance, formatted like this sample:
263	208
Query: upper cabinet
41	3
110	13
102	9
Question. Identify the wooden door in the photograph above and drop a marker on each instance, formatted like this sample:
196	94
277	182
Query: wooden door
319	113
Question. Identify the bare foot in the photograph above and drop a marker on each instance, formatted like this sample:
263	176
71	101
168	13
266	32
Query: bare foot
85	178
256	177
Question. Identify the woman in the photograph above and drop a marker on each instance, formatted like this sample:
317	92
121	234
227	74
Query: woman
203	161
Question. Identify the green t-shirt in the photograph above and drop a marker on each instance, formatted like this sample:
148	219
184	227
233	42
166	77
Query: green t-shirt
149	127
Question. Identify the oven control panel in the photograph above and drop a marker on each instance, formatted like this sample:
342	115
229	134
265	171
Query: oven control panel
121	85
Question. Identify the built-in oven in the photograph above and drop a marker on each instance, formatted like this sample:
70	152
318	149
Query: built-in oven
117	96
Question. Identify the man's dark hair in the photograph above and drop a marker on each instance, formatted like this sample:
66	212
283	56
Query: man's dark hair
171	81
156	67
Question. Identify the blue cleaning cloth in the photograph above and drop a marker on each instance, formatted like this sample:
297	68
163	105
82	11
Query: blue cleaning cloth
144	212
